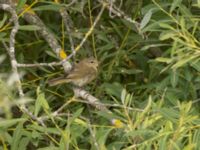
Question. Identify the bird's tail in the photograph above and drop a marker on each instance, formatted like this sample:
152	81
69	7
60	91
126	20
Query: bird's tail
57	81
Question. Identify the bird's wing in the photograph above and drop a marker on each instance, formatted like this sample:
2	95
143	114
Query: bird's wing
79	72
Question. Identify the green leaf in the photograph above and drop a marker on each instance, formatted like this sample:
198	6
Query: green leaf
29	27
40	102
45	129
75	115
167	35
127	71
20	4
117	29
17	136
170	114
24	141
183	61
2	22
142	132
166	26
174	78
102	135
182	23
54	7
10	122
146	19
123	96
164	60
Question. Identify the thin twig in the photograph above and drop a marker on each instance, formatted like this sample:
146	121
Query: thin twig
91	28
118	12
11	48
40	64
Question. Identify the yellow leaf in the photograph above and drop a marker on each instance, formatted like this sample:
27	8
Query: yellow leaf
62	54
117	123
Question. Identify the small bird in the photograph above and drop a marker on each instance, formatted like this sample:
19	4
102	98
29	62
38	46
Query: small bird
81	74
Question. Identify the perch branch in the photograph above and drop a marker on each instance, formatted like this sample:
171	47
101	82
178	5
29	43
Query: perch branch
91	99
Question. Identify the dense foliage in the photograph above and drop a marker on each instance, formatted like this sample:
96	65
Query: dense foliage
148	76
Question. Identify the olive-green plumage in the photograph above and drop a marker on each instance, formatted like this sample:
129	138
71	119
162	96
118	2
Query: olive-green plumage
82	73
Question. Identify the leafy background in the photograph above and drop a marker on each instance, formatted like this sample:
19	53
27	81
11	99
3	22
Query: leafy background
149	78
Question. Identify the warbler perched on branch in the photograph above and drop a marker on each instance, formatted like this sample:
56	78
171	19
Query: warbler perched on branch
81	74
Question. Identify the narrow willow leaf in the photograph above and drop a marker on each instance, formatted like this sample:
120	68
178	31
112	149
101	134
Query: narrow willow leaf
2	22
141	132
164	60
166	35
40	102
54	7
123	96
166	26
174	78
174	48
20	4
29	27
10	122
182	62
24	142
146	19
17	136
182	23
45	129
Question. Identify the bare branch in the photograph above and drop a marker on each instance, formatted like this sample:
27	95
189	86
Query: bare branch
40	64
91	28
118	12
91	99
11	48
11	52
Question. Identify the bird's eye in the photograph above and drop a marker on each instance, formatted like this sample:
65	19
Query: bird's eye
91	61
